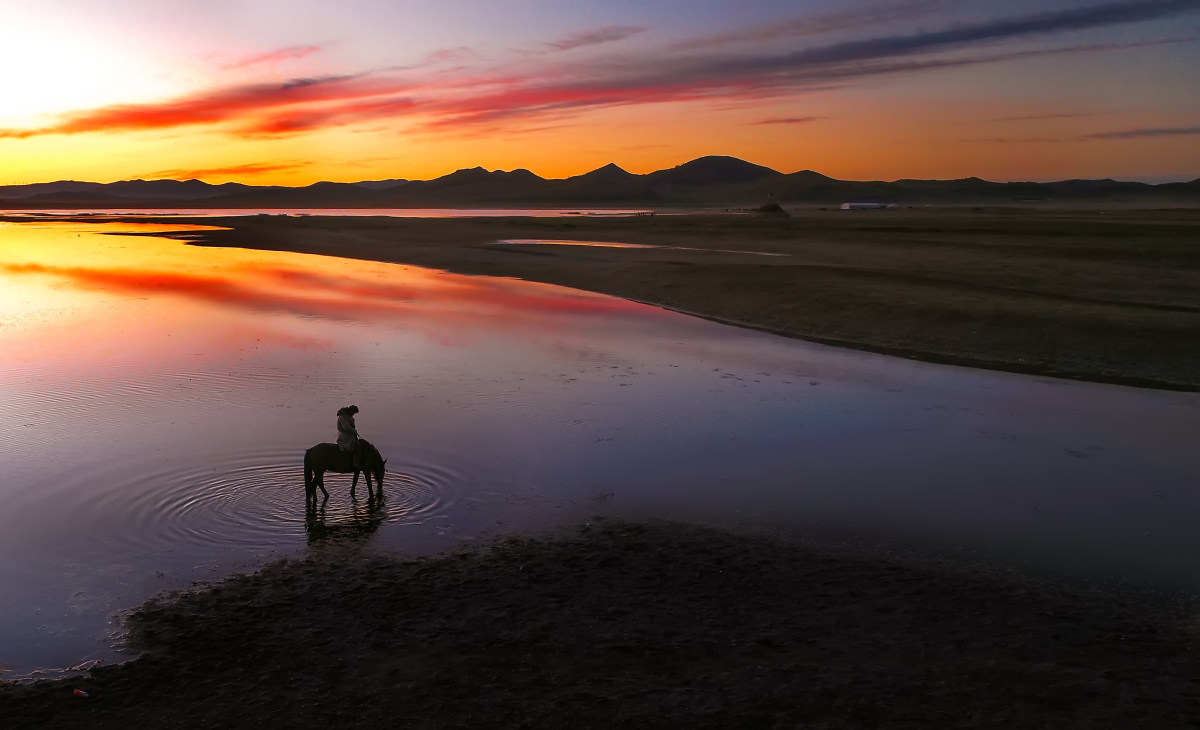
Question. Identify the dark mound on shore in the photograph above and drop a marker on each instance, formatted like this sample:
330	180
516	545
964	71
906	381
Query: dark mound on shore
771	208
658	625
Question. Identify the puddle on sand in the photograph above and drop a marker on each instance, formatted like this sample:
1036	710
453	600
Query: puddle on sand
614	244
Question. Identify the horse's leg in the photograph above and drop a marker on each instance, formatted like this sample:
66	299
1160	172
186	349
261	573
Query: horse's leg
321	484
310	490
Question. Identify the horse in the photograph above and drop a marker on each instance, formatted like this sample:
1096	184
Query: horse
330	457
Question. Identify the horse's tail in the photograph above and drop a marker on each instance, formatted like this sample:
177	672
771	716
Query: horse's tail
308	470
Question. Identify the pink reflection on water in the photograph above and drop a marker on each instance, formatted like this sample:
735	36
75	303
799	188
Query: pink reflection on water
315	294
119	298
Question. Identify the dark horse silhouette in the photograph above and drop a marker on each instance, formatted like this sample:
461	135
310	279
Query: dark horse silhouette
330	457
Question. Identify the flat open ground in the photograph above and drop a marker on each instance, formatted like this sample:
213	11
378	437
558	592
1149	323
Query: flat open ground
637	625
1109	296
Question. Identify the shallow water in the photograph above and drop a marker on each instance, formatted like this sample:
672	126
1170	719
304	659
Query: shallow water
158	399
388	212
615	244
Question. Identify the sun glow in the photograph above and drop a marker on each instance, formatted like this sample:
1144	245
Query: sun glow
64	69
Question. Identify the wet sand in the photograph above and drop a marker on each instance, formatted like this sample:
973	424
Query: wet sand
637	625
1104	296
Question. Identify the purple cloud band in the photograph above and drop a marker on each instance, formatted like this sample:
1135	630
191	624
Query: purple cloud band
1144	133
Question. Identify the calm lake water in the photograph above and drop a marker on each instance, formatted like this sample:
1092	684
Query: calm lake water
389	212
158	398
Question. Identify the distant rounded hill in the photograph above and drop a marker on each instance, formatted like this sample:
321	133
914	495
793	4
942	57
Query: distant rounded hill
713	170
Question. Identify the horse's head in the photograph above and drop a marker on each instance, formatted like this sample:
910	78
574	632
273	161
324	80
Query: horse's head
379	467
374	462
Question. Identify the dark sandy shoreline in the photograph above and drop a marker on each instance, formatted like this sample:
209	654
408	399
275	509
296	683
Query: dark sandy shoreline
1101	296
637	625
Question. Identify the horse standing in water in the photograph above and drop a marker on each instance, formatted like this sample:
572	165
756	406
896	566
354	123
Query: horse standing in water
330	457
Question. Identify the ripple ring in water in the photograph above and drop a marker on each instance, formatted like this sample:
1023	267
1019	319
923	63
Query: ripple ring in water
247	500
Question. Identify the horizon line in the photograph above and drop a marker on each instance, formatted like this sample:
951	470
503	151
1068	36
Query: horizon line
1147	179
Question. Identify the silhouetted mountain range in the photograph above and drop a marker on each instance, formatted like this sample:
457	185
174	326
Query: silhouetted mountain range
706	181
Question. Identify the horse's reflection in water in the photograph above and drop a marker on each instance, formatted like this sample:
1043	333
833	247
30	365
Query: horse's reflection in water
363	521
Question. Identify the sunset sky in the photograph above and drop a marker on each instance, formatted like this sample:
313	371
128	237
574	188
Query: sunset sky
295	91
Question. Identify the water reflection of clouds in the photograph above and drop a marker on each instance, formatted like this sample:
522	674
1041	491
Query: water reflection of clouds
343	296
80	301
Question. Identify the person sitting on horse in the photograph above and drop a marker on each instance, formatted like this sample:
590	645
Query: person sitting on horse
347	439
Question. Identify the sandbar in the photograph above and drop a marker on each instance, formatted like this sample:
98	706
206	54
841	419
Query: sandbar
1106	296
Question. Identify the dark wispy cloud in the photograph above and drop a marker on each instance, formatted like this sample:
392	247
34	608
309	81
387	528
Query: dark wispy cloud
896	46
1041	117
1013	140
1146	132
250	168
788	120
747	75
707	79
282	54
1143	133
816	24
593	37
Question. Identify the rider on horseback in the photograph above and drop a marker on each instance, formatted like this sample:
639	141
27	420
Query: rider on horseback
347	439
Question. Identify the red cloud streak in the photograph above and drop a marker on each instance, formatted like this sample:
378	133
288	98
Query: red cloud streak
216	106
282	54
250	168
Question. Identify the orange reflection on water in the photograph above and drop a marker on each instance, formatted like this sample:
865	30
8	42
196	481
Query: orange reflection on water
55	272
